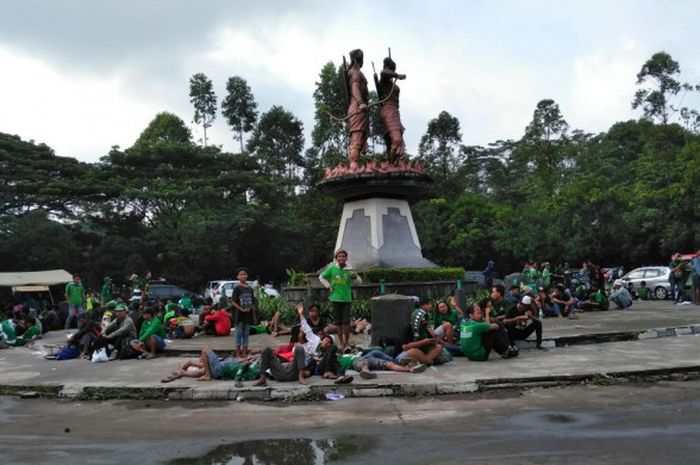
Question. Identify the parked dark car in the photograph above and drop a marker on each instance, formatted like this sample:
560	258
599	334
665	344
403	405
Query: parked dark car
171	291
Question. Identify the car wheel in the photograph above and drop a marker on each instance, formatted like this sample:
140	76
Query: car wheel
661	293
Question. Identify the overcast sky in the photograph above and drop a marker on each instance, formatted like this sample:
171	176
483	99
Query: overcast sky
84	75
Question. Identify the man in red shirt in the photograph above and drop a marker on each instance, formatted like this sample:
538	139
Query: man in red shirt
217	323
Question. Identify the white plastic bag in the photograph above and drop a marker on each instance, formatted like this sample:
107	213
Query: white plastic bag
100	355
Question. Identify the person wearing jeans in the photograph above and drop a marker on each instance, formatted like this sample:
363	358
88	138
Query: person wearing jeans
75	295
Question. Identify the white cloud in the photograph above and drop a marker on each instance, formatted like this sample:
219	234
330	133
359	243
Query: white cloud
603	85
78	116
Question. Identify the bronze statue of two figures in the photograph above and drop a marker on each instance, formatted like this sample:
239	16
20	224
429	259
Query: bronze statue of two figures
358	108
357	118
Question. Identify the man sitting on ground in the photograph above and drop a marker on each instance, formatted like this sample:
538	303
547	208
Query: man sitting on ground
499	305
514	295
302	355
217	322
118	333
445	323
620	296
151	337
520	322
420	342
87	334
480	334
563	302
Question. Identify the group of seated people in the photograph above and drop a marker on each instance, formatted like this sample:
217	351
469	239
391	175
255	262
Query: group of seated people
433	336
21	328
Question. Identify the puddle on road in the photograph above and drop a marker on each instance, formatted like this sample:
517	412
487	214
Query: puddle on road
282	452
553	420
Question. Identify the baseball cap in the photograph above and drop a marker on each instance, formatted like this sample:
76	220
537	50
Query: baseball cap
527	300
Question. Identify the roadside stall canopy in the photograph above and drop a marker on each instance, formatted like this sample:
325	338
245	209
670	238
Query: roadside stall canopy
35	278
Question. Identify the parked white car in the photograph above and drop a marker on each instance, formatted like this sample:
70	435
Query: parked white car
221	288
656	278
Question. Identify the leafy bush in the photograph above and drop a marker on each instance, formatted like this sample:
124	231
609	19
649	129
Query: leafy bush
398	275
296	278
268	306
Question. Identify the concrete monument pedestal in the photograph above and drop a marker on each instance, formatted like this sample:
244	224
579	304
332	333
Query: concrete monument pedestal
376	227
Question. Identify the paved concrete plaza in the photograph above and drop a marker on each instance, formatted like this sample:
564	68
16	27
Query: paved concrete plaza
659	338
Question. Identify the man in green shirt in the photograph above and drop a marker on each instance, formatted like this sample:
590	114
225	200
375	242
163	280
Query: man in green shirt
75	295
151	337
337	278
546	275
106	290
479	334
445	322
499	304
8	332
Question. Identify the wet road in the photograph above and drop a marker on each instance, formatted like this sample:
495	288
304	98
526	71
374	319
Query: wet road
635	424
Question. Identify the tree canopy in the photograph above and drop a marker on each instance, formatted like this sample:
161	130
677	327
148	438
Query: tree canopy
628	196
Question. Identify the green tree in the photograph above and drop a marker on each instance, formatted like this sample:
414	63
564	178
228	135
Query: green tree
165	128
655	100
330	137
439	147
239	107
277	142
542	151
203	98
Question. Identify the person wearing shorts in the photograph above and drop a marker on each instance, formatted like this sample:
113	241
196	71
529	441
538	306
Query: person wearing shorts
151	337
337	278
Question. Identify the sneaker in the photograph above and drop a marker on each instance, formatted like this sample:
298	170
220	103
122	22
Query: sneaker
420	368
506	354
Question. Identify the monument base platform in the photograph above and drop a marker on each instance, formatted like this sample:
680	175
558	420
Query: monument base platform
380	233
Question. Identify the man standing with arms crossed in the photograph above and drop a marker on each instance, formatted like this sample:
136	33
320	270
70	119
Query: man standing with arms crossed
337	278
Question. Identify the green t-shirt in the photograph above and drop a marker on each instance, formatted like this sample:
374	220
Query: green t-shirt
546	277
28	334
500	308
470	339
340	282
230	368
8	330
106	292
644	293
439	318
75	293
602	300
420	320
186	302
345	361
151	327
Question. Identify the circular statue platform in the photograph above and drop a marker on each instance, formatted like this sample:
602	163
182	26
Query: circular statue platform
398	185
